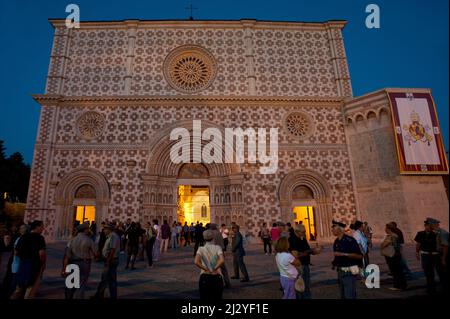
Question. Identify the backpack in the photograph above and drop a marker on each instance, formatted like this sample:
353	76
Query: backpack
151	232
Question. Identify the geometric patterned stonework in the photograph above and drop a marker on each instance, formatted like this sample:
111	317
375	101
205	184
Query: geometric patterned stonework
286	61
129	132
108	105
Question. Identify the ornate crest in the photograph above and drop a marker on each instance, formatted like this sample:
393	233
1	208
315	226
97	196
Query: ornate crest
416	131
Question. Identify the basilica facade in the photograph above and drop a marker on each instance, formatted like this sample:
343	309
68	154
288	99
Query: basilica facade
116	90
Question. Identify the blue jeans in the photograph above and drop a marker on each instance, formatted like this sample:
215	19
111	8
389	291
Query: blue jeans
306	275
347	285
430	264
156	249
109	279
174	242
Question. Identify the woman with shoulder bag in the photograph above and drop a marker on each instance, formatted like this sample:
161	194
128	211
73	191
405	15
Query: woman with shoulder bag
287	266
390	249
209	258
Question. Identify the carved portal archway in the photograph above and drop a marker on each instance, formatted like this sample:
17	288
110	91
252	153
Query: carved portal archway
80	184
162	178
316	192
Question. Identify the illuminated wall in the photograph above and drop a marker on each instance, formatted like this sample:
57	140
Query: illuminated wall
193	204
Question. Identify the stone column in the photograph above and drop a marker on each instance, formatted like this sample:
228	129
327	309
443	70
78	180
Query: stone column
249	55
324	218
131	33
58	60
339	58
285	211
39	187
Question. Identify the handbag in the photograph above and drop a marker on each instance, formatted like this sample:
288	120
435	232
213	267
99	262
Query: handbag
300	284
388	251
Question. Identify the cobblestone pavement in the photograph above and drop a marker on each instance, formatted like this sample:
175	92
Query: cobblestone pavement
175	276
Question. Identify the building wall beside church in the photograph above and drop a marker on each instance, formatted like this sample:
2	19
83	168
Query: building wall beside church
383	194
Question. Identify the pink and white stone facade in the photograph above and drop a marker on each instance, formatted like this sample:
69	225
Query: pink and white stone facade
108	110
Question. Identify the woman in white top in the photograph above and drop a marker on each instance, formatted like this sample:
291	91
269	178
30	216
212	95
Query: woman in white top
157	244
287	264
209	258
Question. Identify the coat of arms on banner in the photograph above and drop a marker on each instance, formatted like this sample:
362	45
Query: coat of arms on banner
420	149
416	131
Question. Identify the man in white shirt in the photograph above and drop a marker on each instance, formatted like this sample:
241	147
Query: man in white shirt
179	229
219	241
362	241
79	251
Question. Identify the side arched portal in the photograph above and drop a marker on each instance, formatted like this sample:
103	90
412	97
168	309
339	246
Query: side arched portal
307	186
81	186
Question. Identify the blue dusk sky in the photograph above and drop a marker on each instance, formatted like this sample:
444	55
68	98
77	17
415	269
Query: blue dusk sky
411	49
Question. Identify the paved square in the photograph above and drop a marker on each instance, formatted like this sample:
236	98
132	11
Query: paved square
175	276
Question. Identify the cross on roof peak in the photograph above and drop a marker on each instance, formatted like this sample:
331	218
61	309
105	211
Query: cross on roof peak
191	8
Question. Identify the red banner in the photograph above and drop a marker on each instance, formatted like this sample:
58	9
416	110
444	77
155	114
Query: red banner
418	137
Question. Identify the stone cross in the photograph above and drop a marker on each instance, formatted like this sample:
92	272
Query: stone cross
191	8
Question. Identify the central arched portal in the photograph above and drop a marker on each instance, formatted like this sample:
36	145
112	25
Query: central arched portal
204	192
193	204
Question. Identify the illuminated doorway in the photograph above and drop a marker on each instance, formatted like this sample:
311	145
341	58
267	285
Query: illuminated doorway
85	214
193	204
84	205
305	215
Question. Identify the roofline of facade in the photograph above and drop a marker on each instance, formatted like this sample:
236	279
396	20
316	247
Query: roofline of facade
60	22
363	98
46	99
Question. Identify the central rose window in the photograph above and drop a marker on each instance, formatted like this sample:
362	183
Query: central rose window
189	69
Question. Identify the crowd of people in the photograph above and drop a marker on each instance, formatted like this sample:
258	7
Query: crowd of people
351	256
351	248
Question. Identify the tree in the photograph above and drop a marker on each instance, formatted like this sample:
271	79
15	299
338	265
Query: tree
14	176
18	177
2	151
2	174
